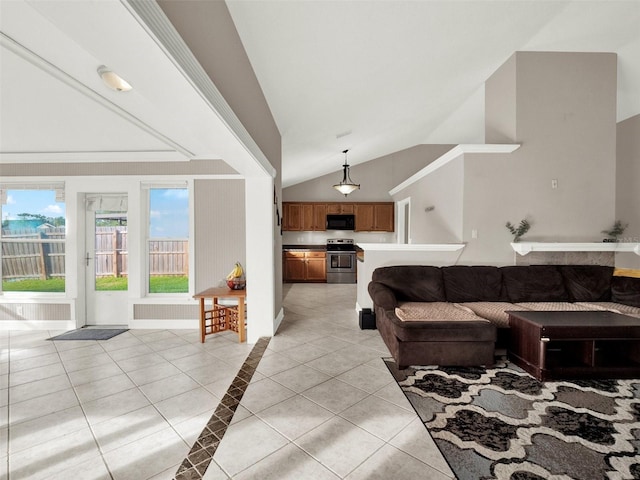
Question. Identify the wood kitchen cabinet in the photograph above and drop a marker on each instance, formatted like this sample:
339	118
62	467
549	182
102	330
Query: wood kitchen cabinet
340	208
305	267
314	216
374	217
292	216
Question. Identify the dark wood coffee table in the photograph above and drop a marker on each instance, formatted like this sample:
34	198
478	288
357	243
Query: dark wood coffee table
574	344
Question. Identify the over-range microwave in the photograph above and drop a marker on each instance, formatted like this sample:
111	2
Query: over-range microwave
341	222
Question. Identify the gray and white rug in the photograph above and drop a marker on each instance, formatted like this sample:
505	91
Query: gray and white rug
501	423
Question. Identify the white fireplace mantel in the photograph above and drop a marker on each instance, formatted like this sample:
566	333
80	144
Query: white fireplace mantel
526	247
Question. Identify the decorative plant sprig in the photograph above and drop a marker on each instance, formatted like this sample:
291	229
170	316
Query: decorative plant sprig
617	229
520	230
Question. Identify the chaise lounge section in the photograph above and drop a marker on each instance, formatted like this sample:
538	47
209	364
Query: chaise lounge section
455	315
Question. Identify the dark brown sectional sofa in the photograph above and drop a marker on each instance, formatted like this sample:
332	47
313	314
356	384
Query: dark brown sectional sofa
456	315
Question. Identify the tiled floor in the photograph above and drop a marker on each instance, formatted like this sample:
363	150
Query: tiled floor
321	403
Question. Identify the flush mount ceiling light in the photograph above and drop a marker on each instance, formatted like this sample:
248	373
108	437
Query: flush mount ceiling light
113	80
346	186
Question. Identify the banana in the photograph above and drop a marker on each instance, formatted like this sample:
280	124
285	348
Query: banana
237	272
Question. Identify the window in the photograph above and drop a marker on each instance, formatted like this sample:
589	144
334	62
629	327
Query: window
168	244
33	239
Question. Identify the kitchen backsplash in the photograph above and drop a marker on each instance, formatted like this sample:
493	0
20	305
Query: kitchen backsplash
320	238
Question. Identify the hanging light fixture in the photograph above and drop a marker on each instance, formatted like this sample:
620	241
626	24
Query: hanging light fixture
346	186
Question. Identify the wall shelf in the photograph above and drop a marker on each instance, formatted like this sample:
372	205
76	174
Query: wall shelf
523	248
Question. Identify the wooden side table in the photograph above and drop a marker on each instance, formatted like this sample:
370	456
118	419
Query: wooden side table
220	318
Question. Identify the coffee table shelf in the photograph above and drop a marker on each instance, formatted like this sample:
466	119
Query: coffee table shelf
564	345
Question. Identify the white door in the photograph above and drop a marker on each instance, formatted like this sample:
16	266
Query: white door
106	260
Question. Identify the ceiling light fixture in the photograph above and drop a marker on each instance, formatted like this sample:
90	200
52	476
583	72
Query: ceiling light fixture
113	80
346	186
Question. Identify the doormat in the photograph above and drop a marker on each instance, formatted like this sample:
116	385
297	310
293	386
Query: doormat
90	334
501	423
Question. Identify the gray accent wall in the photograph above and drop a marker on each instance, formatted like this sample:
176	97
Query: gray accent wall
219	230
628	186
376	177
165	312
437	204
565	120
35	311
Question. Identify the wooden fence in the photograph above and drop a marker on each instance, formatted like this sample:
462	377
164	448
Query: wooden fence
40	254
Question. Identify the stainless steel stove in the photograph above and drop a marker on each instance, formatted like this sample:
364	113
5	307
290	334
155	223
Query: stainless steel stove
341	260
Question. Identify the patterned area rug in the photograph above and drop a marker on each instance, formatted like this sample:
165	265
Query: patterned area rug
501	423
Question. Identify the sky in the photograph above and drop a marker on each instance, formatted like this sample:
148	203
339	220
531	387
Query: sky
169	216
40	202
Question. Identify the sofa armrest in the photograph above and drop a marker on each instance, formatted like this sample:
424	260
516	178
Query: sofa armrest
382	295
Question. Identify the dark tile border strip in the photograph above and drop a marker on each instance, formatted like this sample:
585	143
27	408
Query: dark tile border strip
201	453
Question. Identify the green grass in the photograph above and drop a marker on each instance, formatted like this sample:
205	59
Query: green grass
168	284
112	283
34	285
157	284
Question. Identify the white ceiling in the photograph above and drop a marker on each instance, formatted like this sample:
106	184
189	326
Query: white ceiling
389	74
400	73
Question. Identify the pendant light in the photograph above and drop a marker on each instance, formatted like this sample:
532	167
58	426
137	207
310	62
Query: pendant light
346	186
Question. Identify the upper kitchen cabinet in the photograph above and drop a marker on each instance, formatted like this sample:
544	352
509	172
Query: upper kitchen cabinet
340	208
374	217
314	216
292	217
311	216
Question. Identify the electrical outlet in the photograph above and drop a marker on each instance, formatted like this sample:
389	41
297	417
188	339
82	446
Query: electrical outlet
554	183
19	310
474	233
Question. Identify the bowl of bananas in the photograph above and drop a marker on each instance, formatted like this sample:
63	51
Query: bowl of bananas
236	279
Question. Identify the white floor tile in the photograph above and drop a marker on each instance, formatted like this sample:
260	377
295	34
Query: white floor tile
300	378
335	395
263	394
389	462
30	390
288	463
189	404
416	441
339	445
45	460
127	428
379	417
42	405
103	388
112	406
246	443
46	428
295	416
148	456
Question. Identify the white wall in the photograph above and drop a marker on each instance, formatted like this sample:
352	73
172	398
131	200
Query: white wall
628	186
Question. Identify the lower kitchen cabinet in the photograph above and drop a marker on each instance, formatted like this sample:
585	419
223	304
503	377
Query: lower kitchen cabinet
305	267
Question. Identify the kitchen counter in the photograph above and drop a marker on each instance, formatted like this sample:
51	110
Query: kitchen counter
294	247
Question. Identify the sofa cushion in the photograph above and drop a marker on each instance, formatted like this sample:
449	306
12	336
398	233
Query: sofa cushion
626	290
472	283
412	283
587	283
554	306
614	307
423	311
534	283
493	311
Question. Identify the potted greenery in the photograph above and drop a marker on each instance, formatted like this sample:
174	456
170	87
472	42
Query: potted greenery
520	230
614	232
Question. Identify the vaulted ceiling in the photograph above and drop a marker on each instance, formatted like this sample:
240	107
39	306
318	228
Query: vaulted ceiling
373	76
